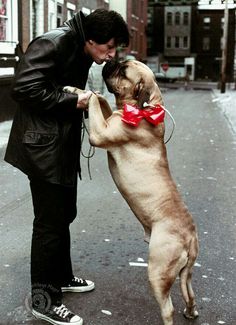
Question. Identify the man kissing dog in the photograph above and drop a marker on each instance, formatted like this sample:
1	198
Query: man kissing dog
133	136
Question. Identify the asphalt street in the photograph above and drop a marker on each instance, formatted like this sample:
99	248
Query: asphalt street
107	240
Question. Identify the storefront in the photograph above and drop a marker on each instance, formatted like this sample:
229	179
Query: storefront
8	54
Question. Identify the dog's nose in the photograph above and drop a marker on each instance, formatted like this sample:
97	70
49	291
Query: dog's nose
110	68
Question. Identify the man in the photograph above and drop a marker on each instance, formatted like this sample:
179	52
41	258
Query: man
44	143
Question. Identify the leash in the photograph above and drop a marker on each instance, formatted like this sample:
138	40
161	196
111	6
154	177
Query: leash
91	150
145	104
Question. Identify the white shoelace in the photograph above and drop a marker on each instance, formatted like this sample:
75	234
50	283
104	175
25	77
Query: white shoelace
62	311
80	280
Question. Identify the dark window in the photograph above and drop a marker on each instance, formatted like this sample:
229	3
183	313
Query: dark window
206	22
185	42
206	43
168	42
177	18
169	18
3	20
177	42
186	18
59	15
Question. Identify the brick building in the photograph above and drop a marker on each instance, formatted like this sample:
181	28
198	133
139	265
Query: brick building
188	35
208	42
134	13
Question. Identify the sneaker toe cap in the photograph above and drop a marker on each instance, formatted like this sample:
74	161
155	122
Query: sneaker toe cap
76	319
90	283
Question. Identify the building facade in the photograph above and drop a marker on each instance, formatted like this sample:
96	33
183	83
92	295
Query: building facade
188	36
209	43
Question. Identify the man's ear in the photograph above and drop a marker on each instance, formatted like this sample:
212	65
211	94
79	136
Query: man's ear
140	94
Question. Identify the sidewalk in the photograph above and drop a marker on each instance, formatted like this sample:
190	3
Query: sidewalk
227	103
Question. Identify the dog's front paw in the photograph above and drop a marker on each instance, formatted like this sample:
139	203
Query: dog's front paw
69	89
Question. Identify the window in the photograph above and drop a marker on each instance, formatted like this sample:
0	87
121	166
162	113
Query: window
177	18
186	18
168	42
185	42
142	11
3	20
8	35
135	8
176	42
206	22
70	14
169	18
86	10
206	44
222	43
59	15
222	22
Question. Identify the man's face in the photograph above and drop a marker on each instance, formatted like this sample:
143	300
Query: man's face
101	52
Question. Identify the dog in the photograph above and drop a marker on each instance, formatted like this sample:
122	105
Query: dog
133	136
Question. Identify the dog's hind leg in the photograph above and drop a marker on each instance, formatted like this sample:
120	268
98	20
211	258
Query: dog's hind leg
186	284
161	283
165	263
188	293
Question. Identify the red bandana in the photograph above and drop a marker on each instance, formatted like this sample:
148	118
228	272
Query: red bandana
133	115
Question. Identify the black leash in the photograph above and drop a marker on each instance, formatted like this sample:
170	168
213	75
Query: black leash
91	150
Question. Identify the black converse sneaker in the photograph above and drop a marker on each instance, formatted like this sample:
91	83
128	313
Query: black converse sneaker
78	285
58	315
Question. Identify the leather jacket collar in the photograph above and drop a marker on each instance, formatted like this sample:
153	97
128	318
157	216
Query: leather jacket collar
76	25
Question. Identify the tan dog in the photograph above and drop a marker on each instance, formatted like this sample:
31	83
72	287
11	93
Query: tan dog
138	164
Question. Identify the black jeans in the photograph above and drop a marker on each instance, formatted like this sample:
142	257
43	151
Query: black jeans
54	210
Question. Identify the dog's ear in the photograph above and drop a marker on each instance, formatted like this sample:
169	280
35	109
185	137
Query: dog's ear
141	95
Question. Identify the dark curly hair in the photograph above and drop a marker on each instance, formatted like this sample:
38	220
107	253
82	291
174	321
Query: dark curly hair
102	25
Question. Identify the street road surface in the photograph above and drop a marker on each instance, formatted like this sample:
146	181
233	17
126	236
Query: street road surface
107	240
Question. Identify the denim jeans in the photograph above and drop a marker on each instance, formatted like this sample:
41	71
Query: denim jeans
54	209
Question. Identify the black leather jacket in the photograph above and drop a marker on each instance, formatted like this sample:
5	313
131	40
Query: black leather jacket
45	138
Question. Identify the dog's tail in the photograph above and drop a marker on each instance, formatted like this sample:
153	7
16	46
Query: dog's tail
186	274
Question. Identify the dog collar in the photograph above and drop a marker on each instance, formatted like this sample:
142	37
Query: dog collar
132	114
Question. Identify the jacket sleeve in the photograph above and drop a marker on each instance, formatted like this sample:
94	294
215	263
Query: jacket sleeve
35	81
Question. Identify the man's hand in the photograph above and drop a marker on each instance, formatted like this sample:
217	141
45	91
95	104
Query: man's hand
83	96
83	99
